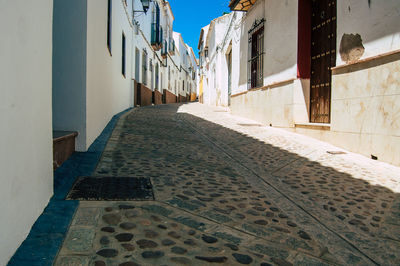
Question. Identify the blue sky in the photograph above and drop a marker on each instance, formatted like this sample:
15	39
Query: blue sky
191	16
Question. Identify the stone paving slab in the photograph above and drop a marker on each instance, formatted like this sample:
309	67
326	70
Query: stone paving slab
259	196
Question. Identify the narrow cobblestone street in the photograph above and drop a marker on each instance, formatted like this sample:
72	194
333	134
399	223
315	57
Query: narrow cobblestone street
230	191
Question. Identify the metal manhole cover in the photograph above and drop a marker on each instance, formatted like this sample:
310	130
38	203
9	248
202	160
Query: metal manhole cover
89	188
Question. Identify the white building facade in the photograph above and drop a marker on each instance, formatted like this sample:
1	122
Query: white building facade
110	56
327	69
70	66
188	66
159	66
203	64
92	73
193	82
218	48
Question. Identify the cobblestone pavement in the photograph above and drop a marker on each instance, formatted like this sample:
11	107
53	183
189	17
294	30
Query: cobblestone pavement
229	191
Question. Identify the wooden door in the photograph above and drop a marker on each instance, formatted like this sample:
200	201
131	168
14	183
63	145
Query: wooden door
323	57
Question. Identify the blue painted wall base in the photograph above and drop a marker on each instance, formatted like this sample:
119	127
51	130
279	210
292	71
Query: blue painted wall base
47	234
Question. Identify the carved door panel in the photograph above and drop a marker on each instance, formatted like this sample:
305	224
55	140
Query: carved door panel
323	58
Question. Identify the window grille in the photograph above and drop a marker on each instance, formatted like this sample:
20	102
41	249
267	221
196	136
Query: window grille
144	67
151	74
157	78
109	25
156	30
123	69
255	66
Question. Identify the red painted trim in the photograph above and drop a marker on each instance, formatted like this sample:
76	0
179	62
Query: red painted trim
304	40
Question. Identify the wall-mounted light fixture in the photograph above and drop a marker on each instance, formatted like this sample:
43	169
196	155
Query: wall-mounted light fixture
145	5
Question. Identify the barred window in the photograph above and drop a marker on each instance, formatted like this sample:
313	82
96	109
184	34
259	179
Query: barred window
109	25
151	75
157	78
144	67
156	30
255	66
123	70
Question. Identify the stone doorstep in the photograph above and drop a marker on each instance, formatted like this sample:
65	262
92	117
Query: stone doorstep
63	146
315	126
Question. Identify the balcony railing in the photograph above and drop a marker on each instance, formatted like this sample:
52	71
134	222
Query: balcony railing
156	36
161	38
171	46
164	51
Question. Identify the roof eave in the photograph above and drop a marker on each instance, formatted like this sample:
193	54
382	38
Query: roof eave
200	39
238	5
233	4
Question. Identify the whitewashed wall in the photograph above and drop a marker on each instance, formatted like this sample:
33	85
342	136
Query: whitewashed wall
108	91
213	38
142	41
272	105
175	63
179	60
237	54
222	36
69	68
228	44
215	67
25	117
195	66
377	22
203	65
211	73
88	85
280	61
366	96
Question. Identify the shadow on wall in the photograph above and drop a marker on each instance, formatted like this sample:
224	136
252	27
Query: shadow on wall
244	57
363	215
277	58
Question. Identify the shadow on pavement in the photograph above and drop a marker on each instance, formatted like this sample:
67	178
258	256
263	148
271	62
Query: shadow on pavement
264	198
206	169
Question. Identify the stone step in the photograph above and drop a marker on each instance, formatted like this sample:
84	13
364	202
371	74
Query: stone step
63	146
